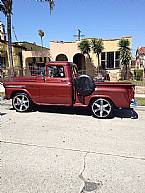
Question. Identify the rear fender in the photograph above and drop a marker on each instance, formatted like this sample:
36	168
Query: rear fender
101	96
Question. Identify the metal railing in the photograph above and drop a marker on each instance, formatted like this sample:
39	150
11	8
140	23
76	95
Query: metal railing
7	73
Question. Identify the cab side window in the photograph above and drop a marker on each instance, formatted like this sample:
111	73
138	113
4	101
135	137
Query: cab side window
56	71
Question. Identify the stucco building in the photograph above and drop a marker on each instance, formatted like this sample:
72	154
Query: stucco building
25	54
109	58
140	57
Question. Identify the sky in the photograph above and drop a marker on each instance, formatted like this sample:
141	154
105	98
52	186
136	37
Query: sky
106	19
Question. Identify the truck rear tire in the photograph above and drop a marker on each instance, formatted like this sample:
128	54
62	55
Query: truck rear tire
102	108
85	85
21	102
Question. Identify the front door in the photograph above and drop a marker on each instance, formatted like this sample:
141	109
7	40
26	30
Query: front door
56	89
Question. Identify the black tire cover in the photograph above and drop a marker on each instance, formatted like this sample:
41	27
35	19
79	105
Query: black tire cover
85	85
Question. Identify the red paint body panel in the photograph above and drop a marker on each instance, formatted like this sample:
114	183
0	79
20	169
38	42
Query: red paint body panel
60	91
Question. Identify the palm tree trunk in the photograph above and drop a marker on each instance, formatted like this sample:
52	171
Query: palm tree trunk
98	63
42	48
10	44
41	42
127	72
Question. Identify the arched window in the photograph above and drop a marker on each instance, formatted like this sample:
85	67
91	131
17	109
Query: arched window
61	57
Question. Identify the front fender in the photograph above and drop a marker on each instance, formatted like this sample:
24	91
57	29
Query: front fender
11	92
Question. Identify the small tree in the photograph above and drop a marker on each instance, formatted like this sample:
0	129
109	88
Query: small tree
85	47
97	47
125	56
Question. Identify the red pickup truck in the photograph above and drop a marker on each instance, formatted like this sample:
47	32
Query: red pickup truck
60	84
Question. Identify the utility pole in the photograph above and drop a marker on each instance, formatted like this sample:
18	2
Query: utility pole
79	36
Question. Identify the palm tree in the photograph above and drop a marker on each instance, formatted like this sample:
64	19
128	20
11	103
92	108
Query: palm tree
85	47
41	34
97	47
6	8
125	56
51	4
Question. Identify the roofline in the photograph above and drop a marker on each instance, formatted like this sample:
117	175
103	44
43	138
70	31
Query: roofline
112	39
13	44
32	44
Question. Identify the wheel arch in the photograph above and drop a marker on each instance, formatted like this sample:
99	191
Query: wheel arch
20	91
104	97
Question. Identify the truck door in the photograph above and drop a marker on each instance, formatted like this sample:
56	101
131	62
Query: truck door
57	88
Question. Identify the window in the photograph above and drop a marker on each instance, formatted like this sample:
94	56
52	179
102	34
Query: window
103	56
34	60
103	60
56	71
117	61
110	59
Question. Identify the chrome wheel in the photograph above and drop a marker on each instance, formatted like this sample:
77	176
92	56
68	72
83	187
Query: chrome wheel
101	108
21	102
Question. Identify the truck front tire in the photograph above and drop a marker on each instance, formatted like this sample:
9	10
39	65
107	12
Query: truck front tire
21	102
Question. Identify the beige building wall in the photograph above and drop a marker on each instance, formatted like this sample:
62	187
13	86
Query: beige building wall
27	56
67	48
71	48
110	45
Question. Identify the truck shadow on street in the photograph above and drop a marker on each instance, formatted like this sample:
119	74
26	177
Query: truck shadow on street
118	113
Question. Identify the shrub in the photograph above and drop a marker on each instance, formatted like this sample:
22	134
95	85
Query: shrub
138	74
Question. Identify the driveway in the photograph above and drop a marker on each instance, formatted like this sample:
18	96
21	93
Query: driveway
68	151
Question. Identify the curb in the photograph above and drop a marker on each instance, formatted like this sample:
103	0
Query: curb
140	108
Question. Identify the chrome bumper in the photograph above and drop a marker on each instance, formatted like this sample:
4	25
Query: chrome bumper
133	103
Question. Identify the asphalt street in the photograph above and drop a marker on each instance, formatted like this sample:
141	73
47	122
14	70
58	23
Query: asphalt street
63	150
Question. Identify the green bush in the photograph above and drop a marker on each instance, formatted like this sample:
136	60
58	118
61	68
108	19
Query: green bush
140	101
138	74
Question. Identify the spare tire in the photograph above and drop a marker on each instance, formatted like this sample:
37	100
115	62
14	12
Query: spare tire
85	85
